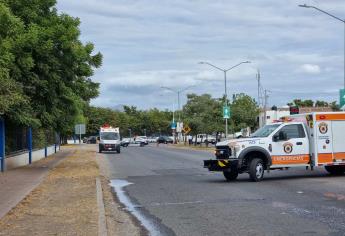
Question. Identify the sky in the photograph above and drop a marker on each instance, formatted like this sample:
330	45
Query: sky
150	44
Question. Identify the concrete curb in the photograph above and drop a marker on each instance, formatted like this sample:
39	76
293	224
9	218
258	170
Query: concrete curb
102	225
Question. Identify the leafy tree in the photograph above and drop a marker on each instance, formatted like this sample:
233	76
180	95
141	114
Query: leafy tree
203	113
46	67
244	112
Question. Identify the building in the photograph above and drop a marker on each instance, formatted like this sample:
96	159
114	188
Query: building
276	114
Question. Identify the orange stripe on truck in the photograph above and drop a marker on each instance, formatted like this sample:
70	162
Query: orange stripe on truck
290	160
339	155
335	116
325	157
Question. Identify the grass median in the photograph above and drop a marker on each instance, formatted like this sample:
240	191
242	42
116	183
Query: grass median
63	204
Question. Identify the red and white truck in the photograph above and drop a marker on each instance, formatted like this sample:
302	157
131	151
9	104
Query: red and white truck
304	140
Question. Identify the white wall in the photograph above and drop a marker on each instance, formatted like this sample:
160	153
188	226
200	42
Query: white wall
271	116
23	159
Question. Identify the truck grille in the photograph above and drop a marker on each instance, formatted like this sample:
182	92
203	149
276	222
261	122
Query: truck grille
223	152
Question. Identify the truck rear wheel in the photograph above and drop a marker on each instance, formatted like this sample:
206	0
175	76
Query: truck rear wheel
230	174
256	170
335	170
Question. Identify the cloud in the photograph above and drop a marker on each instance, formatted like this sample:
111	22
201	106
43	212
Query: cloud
310	69
152	43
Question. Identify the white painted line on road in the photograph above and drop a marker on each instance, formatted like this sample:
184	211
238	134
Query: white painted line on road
102	225
118	186
175	203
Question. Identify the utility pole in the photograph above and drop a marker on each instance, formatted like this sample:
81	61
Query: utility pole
259	85
266	96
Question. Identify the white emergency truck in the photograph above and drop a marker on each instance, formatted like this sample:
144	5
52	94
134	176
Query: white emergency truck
304	140
109	139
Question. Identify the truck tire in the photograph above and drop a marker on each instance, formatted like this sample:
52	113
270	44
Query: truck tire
118	150
335	170
256	170
230	175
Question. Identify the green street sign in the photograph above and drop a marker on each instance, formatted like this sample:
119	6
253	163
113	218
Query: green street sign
226	112
342	98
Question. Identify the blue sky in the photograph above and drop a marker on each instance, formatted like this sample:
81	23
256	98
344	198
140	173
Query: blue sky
148	44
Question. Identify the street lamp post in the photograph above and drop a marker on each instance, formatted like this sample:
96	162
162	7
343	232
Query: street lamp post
225	85
335	17
178	92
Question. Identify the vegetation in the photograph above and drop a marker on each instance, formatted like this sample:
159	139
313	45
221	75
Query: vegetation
311	103
45	69
201	112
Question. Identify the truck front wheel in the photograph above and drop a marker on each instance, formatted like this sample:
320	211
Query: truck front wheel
256	170
230	174
335	170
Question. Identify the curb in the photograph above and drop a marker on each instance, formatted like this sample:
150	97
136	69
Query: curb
102	225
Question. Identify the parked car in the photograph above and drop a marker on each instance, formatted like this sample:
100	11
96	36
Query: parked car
125	142
142	139
201	138
92	140
152	139
165	139
85	140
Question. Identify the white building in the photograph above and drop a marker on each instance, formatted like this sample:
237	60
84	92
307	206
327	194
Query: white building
272	115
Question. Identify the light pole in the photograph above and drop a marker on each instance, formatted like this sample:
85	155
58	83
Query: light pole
225	86
335	17
178	92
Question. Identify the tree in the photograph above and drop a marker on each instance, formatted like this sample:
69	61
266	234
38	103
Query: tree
203	113
46	64
244	112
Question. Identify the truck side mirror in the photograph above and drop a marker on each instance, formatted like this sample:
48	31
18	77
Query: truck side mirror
275	138
282	136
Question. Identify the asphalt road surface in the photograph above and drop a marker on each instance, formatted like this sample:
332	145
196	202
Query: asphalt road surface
172	194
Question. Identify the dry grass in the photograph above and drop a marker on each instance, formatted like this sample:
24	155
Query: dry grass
63	204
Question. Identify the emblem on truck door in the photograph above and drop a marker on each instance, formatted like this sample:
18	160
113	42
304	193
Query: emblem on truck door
288	148
323	128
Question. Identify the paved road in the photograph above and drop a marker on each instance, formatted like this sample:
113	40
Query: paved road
172	191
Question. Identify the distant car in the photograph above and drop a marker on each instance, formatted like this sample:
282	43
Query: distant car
142	139
125	142
152	139
92	140
164	139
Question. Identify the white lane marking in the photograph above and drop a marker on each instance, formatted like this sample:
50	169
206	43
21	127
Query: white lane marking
118	186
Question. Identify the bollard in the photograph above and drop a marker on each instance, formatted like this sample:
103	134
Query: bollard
29	138
2	144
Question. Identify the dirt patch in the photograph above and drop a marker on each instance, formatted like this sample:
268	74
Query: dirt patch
63	204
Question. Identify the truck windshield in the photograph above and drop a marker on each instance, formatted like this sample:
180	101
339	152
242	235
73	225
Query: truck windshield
265	131
109	136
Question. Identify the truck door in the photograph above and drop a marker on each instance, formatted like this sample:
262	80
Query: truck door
290	146
338	131
324	142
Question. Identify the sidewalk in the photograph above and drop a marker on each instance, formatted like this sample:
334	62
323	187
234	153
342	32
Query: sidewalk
62	195
16	184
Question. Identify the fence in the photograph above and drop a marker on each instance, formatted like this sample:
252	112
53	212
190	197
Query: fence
18	141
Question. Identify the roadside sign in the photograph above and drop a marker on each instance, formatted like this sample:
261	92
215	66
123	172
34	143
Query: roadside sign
179	127
186	129
80	129
294	110
342	97
226	112
173	125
